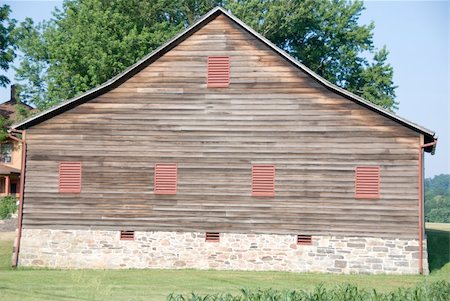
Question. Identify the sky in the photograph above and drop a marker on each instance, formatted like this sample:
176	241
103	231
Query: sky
417	34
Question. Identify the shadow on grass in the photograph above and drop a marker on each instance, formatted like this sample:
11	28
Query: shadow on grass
438	248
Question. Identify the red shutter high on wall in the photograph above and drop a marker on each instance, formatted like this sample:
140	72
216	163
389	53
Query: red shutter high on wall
263	180
70	177
367	182
165	178
218	71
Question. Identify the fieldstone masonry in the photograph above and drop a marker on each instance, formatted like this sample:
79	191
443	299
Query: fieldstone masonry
177	250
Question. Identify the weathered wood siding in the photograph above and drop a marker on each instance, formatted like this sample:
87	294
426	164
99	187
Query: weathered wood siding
271	113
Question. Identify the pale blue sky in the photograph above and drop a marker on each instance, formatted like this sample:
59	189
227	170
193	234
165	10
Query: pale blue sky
417	35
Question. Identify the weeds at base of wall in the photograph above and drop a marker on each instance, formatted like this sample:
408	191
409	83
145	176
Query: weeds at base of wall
435	291
8	206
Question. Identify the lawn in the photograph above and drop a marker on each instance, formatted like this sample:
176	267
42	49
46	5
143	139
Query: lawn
157	284
438	236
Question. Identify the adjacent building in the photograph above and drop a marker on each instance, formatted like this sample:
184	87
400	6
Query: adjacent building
11	150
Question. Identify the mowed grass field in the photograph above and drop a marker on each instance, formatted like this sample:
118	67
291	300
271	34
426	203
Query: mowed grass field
40	284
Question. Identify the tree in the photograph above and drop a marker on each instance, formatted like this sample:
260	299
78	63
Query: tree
7	45
4	125
90	41
438	185
437	199
85	44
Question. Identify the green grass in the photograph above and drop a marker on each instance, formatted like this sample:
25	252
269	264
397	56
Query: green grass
438	238
438	226
6	244
28	284
157	284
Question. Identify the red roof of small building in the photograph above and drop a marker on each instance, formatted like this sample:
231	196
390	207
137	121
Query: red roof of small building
8	109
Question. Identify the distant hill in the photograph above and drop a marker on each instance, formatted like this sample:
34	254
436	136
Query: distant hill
437	199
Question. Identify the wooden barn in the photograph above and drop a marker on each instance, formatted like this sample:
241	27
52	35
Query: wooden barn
220	151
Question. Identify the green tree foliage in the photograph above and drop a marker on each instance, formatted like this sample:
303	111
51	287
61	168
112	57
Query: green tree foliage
22	113
7	44
8	206
437	199
4	125
88	42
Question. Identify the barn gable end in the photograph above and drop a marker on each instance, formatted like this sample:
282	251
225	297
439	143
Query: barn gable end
272	113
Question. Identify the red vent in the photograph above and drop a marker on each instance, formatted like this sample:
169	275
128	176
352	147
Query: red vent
165	178
263	180
218	71
212	237
304	239
126	235
367	182
70	177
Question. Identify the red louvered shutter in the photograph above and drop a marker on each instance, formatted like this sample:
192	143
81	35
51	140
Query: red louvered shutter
218	71
263	180
212	237
70	177
304	239
367	182
165	178
126	235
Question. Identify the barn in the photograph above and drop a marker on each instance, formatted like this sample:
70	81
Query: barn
220	151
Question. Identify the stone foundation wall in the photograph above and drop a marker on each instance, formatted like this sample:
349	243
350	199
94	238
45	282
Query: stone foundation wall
175	250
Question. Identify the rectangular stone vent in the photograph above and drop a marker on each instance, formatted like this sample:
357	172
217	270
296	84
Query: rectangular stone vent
126	235
263	180
304	239
218	71
367	182
165	181
69	177
212	237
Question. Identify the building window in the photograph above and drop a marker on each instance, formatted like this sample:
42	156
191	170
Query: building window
70	177
212	237
218	71
6	152
367	182
165	181
263	180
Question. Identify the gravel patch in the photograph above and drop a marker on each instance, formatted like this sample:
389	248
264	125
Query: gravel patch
8	225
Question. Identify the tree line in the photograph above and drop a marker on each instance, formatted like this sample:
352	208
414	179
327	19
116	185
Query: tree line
437	199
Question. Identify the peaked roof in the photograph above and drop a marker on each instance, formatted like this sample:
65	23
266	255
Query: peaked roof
8	109
160	51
